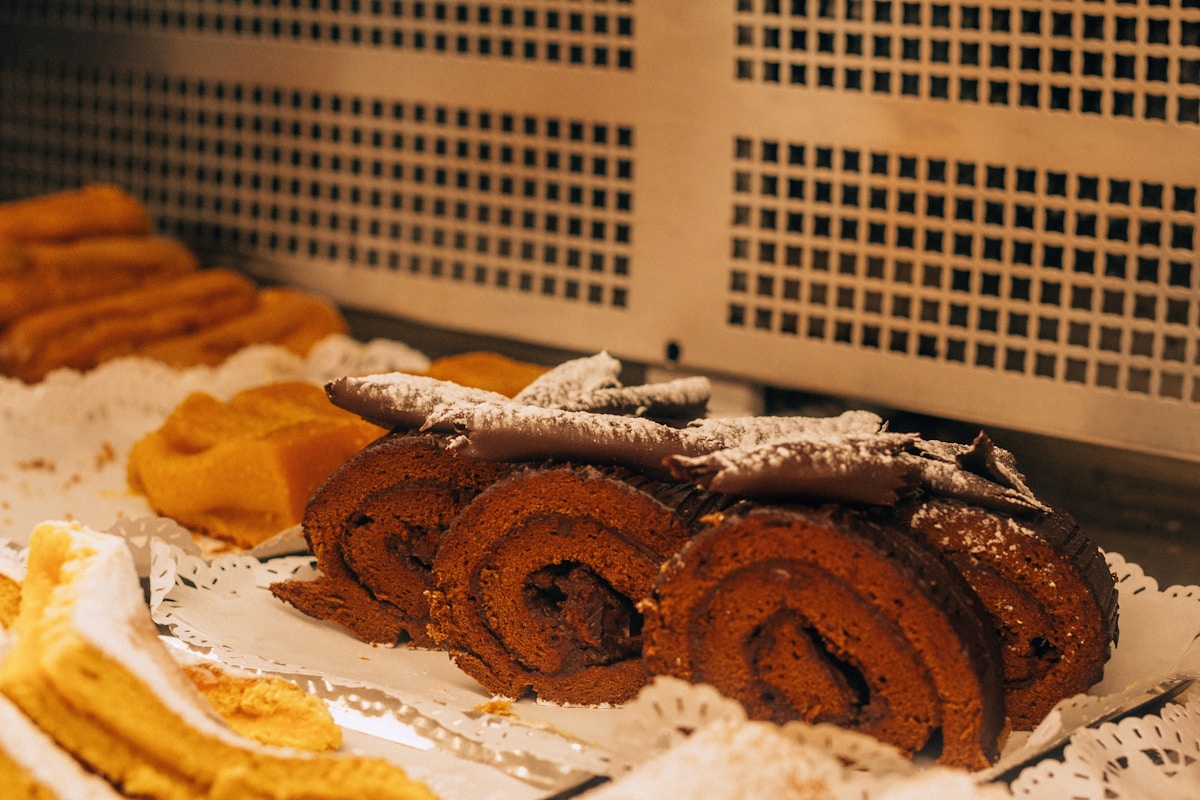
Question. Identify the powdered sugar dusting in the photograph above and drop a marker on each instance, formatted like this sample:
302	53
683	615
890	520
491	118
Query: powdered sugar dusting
855	467
1006	533
402	400
744	431
571	379
683	398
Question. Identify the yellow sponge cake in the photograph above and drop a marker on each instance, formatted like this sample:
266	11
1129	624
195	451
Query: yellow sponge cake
12	572
88	669
32	767
268	710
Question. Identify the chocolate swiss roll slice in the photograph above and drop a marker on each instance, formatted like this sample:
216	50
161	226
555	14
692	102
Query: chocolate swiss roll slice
374	527
1047	587
540	577
377	523
820	615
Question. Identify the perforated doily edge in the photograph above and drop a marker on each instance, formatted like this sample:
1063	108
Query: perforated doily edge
668	712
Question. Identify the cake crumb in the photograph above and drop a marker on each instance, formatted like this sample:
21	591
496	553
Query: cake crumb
106	455
497	706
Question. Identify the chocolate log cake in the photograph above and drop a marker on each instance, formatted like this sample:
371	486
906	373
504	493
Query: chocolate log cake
815	613
540	575
1047	588
817	569
374	527
377	523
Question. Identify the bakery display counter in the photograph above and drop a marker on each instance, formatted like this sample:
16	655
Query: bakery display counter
902	440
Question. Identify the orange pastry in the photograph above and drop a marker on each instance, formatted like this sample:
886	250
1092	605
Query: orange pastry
83	334
242	471
266	709
286	317
484	369
72	214
38	275
88	669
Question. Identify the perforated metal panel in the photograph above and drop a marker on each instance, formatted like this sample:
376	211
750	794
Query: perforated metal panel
982	210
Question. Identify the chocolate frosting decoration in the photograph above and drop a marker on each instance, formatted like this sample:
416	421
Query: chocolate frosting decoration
511	432
746	431
572	379
402	401
860	468
593	384
399	400
579	411
680	399
981	473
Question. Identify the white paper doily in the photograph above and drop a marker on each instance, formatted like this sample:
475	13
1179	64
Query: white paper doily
1149	756
415	703
223	607
1155	757
66	439
667	732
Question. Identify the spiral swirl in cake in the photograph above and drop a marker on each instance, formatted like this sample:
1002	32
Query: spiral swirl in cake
818	614
1047	588
540	577
374	527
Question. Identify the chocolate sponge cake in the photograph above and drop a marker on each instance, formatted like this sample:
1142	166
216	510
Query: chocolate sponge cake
817	614
539	579
374	527
377	522
1046	586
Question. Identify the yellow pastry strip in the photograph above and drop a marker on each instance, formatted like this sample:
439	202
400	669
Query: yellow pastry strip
88	668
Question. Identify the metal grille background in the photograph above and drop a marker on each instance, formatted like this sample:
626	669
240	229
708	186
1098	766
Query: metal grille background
982	210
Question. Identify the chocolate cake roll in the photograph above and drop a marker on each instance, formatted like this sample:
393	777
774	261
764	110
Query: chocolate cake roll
1047	588
540	577
820	615
377	523
374	527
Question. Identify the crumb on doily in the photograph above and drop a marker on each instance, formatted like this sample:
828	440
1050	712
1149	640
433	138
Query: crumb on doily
497	706
106	455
